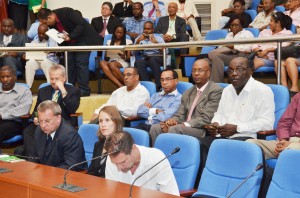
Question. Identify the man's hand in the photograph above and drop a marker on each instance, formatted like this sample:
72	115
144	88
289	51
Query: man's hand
227	130
171	122
147	104
164	127
212	129
281	145
167	38
155	3
152	38
13	54
36	121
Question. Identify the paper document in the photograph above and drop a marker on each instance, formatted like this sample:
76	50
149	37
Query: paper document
36	55
36	8
55	35
113	54
11	159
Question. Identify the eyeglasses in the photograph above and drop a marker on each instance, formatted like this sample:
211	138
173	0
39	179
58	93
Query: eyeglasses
198	70
128	75
237	70
166	79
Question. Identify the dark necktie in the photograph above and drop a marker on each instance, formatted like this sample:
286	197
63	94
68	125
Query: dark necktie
125	7
104	28
47	148
151	11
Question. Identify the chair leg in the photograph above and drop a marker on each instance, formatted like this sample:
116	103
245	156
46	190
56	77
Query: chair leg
99	86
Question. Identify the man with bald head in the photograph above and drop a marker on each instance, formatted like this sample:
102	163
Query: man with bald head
10	39
197	107
246	107
32	65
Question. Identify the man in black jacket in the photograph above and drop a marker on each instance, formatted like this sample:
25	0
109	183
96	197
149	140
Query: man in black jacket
76	31
123	9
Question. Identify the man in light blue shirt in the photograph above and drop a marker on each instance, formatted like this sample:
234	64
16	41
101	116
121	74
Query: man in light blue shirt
163	105
154	10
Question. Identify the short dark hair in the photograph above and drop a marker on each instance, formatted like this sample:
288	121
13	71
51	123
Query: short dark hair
234	17
43	13
108	4
8	68
240	1
175	74
142	6
134	69
120	142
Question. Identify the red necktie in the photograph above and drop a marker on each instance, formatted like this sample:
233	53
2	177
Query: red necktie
194	105
151	12
104	28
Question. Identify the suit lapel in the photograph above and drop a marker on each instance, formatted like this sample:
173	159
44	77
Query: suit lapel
41	145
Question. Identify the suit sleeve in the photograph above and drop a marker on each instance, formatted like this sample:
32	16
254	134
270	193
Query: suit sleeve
71	101
159	29
94	25
78	22
182	27
94	167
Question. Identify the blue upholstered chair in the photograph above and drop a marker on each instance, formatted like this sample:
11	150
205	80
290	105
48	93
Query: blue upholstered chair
183	86
254	31
185	163
213	35
286	178
254	4
140	137
88	134
229	162
150	86
252	13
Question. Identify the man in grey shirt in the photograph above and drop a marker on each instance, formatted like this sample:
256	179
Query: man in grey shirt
15	101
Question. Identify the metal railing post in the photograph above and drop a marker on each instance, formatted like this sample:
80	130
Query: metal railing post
66	65
279	44
165	57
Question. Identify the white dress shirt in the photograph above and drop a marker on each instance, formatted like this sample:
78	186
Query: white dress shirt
244	34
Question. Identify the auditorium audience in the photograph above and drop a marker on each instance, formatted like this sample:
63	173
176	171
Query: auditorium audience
188	11
123	9
110	121
262	20
32	64
75	31
162	105
105	24
239	9
135	24
197	107
128	160
67	97
279	26
114	60
32	33
128	98
15	101
10	39
56	142
173	27
220	57
154	10
152	58
246	107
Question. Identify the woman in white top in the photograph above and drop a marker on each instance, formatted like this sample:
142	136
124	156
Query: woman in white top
114	60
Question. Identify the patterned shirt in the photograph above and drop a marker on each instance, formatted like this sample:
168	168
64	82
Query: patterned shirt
261	19
133	25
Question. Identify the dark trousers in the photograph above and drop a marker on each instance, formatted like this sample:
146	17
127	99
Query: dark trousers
78	70
28	137
154	62
182	38
143	126
9	129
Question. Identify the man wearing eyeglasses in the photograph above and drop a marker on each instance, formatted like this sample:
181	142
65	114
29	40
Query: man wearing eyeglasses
128	98
197	107
246	107
161	106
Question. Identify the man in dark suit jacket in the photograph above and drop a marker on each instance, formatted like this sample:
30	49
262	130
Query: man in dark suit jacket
10	39
173	27
68	100
194	112
56	143
76	31
123	9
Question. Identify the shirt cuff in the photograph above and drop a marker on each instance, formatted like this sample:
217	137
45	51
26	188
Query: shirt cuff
152	111
187	124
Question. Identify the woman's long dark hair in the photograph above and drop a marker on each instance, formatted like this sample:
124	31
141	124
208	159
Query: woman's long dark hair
285	20
123	39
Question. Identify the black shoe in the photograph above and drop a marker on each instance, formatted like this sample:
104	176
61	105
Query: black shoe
84	94
292	93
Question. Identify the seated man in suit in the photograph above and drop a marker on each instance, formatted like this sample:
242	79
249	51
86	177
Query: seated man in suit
10	39
128	98
152	58
15	101
154	10
123	9
134	25
246	107
67	97
126	161
197	107
173	27
56	142
162	105
105	24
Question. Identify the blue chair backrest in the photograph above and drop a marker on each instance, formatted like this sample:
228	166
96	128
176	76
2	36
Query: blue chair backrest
281	99
280	8
286	178
254	4
228	163
213	35
185	163
252	13
88	134
293	29
254	31
139	136
150	86
183	86
92	62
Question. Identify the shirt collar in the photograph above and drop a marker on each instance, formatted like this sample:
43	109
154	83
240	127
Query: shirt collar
13	89
175	92
248	85
202	88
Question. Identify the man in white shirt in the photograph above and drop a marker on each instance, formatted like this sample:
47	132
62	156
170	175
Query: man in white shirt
128	98
127	161
246	107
